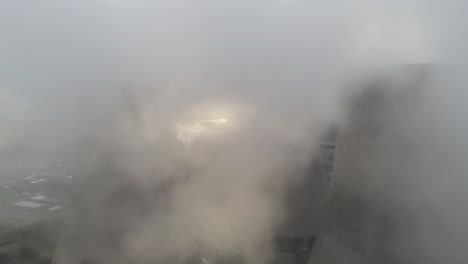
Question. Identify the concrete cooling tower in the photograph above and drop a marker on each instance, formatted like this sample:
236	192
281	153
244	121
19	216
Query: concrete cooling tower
363	210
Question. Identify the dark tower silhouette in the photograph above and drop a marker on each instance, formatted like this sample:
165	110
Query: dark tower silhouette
371	153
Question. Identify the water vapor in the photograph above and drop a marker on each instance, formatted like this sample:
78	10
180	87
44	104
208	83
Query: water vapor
187	119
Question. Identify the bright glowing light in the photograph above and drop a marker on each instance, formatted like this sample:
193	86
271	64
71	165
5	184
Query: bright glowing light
217	121
187	133
209	121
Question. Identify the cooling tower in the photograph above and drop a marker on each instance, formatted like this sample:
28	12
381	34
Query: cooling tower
363	211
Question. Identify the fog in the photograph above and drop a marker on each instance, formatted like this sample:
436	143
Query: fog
122	87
